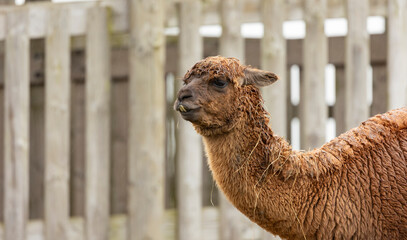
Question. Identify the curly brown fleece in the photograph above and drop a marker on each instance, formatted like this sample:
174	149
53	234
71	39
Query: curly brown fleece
354	187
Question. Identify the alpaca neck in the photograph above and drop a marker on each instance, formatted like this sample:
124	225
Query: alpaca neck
250	164
261	175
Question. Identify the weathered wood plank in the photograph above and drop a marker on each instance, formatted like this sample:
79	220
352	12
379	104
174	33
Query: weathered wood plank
3	2
378	52
16	126
274	59
356	63
397	53
314	111
147	120
231	45
189	145
295	11
231	40
118	226
98	91
38	17
57	126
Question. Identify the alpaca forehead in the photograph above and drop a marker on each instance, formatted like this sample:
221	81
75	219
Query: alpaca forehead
217	67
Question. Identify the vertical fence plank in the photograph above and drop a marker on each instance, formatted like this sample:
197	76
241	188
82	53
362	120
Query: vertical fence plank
314	109
57	125
10	2
189	146
356	63
16	126
231	40
231	45
98	88
147	120
273	58
397	53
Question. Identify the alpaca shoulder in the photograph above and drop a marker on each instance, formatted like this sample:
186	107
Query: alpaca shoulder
382	129
376	133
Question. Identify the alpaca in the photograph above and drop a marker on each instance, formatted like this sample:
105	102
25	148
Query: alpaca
353	187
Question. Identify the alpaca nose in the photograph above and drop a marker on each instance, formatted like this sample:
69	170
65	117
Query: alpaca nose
183	95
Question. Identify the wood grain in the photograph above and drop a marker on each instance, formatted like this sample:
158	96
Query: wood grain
57	126
16	126
98	93
147	120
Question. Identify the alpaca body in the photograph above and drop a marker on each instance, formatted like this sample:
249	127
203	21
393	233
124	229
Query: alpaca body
350	188
354	187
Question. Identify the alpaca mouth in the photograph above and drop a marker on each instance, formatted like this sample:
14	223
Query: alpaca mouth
187	112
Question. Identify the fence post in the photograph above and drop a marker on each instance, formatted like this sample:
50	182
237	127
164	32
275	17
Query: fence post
57	125
189	144
314	111
16	125
273	58
231	45
231	40
10	2
98	90
147	120
356	63
397	53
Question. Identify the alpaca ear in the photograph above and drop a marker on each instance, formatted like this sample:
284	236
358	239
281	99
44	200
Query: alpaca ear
258	78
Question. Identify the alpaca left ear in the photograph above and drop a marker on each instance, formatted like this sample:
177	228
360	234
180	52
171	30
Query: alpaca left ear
258	78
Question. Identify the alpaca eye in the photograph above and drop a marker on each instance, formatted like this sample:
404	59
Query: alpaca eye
219	83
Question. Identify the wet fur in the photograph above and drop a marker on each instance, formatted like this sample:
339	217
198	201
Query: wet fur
354	187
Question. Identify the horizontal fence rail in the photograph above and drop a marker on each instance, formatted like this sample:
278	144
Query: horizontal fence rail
90	147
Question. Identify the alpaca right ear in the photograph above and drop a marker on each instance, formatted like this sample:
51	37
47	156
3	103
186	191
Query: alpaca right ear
258	78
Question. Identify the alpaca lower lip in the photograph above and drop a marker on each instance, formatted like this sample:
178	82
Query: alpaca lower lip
187	111
189	114
184	109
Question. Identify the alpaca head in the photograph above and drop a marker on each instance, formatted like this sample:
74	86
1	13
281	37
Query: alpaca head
217	91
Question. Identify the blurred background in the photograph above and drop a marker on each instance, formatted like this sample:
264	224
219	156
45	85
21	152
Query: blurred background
90	147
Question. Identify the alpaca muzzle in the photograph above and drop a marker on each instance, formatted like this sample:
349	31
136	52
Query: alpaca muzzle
181	108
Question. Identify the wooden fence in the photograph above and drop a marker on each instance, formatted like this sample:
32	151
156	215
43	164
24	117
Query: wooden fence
90	147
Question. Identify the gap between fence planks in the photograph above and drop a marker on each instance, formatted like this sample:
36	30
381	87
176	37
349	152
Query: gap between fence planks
16	126
57	125
98	92
189	144
147	120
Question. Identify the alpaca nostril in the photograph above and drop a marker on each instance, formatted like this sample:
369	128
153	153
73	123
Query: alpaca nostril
184	96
